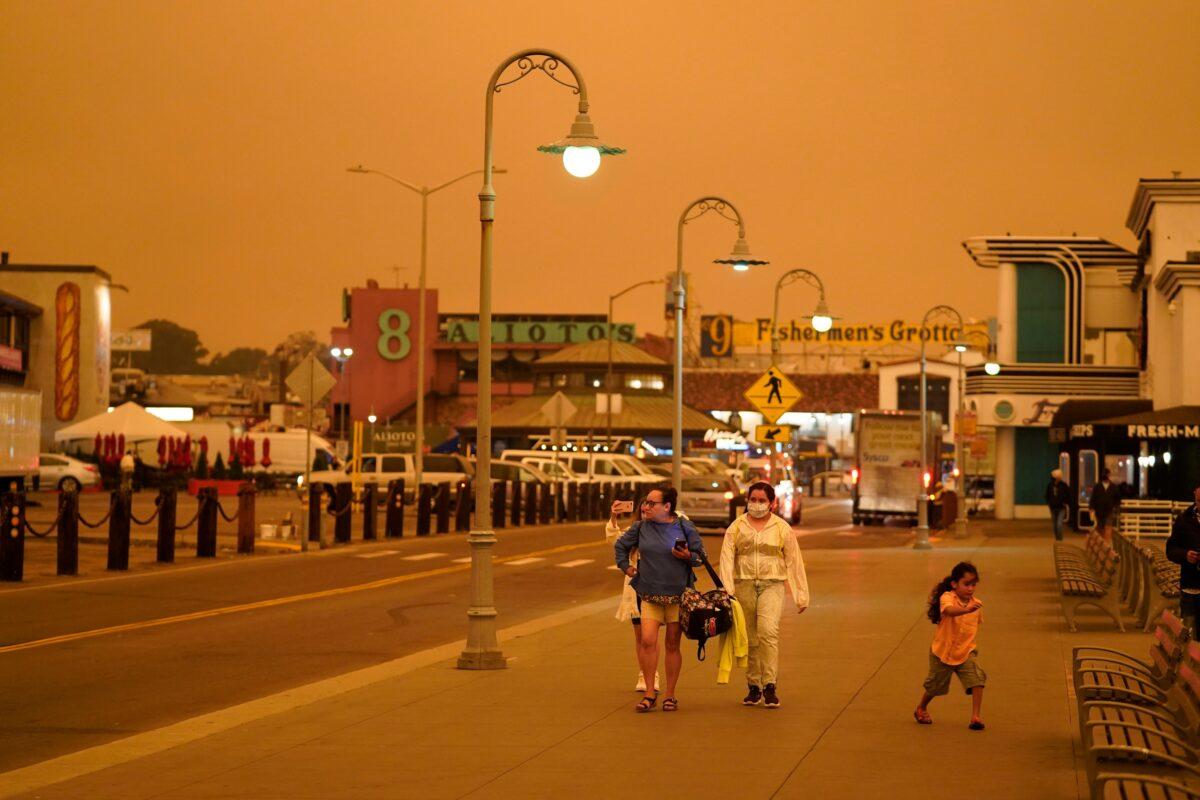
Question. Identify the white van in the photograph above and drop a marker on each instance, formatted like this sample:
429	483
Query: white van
594	466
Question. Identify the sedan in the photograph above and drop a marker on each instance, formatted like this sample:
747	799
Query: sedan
705	499
65	473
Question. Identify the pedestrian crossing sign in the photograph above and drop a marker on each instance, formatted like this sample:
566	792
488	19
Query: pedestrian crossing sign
770	434
773	394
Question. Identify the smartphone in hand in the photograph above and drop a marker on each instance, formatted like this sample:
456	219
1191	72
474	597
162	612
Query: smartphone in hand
623	507
681	544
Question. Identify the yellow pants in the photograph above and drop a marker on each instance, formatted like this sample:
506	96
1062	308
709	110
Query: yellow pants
762	603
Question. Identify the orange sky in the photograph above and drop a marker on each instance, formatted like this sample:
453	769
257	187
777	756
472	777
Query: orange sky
196	150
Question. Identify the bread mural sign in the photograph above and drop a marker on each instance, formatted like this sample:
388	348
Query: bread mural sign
68	315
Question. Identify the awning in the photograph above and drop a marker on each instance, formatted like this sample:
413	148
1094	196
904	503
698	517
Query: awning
1180	422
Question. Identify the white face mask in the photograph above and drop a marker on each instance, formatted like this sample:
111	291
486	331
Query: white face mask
758	510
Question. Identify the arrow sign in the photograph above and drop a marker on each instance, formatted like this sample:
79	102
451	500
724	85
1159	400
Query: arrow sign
769	434
773	394
558	409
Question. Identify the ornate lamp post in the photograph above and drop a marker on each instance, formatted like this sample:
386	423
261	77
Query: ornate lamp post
946	314
581	152
820	320
741	260
424	191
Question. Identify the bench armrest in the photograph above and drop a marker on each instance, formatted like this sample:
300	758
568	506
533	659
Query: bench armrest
1140	753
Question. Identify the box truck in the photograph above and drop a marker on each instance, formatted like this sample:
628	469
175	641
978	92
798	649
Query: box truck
20	437
886	476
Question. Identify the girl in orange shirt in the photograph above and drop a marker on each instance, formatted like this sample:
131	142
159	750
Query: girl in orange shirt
955	609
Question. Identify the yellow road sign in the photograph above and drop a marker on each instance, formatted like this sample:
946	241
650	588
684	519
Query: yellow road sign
773	394
766	434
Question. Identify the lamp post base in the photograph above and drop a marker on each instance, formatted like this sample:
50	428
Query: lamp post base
483	649
922	542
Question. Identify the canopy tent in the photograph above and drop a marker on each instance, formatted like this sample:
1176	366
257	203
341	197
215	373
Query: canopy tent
130	420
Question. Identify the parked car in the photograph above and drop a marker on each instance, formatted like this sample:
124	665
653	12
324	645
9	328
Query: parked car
668	471
597	466
981	493
65	473
557	470
705	499
382	468
706	466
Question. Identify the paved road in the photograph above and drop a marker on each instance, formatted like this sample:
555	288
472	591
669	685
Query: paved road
97	659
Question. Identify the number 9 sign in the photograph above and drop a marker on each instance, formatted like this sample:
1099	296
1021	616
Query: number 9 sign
716	336
393	327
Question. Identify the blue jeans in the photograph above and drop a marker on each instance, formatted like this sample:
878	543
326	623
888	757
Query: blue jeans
1059	517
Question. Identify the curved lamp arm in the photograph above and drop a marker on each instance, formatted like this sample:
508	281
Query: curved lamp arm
791	276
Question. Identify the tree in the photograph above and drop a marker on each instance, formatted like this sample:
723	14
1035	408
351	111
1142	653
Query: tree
299	344
218	471
239	361
174	349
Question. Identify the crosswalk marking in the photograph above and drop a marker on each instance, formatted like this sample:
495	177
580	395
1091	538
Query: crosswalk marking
520	561
377	554
614	566
424	556
579	562
466	560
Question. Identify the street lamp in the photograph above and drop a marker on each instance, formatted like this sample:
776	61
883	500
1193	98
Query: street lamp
424	191
483	650
820	320
945	313
991	367
741	260
608	375
341	355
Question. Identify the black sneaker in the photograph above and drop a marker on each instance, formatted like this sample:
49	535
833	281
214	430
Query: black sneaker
771	699
754	697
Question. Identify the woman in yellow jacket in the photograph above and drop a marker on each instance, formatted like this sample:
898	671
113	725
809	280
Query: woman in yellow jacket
760	555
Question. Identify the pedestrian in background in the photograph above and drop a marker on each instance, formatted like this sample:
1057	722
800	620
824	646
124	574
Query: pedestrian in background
955	609
1104	503
1058	497
630	606
758	557
668	547
1183	547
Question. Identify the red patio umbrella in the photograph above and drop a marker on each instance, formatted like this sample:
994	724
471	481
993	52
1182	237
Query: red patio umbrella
266	459
162	450
98	447
247	452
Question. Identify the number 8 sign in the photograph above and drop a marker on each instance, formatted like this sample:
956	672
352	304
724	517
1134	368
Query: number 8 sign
393	327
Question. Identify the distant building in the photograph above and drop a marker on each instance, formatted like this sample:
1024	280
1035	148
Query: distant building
1100	355
58	318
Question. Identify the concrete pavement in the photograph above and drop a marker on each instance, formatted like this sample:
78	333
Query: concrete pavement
560	719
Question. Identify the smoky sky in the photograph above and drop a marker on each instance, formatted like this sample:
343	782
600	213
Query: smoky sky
197	150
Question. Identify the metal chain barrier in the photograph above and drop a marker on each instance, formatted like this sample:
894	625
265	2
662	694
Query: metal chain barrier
149	519
195	516
102	520
227	517
335	514
29	527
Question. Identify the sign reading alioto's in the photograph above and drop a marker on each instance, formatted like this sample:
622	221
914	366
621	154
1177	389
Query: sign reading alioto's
553	331
721	333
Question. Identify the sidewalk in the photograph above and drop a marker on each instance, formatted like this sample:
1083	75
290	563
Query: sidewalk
560	720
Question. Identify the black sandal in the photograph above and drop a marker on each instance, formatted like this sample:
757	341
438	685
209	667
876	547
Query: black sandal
646	704
670	704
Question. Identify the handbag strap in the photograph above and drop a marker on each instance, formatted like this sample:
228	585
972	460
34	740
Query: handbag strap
712	573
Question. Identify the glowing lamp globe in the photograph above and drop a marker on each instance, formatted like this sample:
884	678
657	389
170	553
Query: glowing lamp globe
991	368
822	323
581	149
741	266
582	162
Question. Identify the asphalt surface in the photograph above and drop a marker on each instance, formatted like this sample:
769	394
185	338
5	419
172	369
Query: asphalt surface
95	659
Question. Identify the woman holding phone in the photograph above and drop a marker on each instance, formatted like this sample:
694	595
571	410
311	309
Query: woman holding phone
668	547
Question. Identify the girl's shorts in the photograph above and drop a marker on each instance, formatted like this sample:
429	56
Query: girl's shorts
969	673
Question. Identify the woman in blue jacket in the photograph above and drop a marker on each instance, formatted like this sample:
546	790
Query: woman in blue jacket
668	547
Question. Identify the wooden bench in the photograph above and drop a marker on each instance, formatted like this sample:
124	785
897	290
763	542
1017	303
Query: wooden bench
1154	734
1087	577
1115	786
